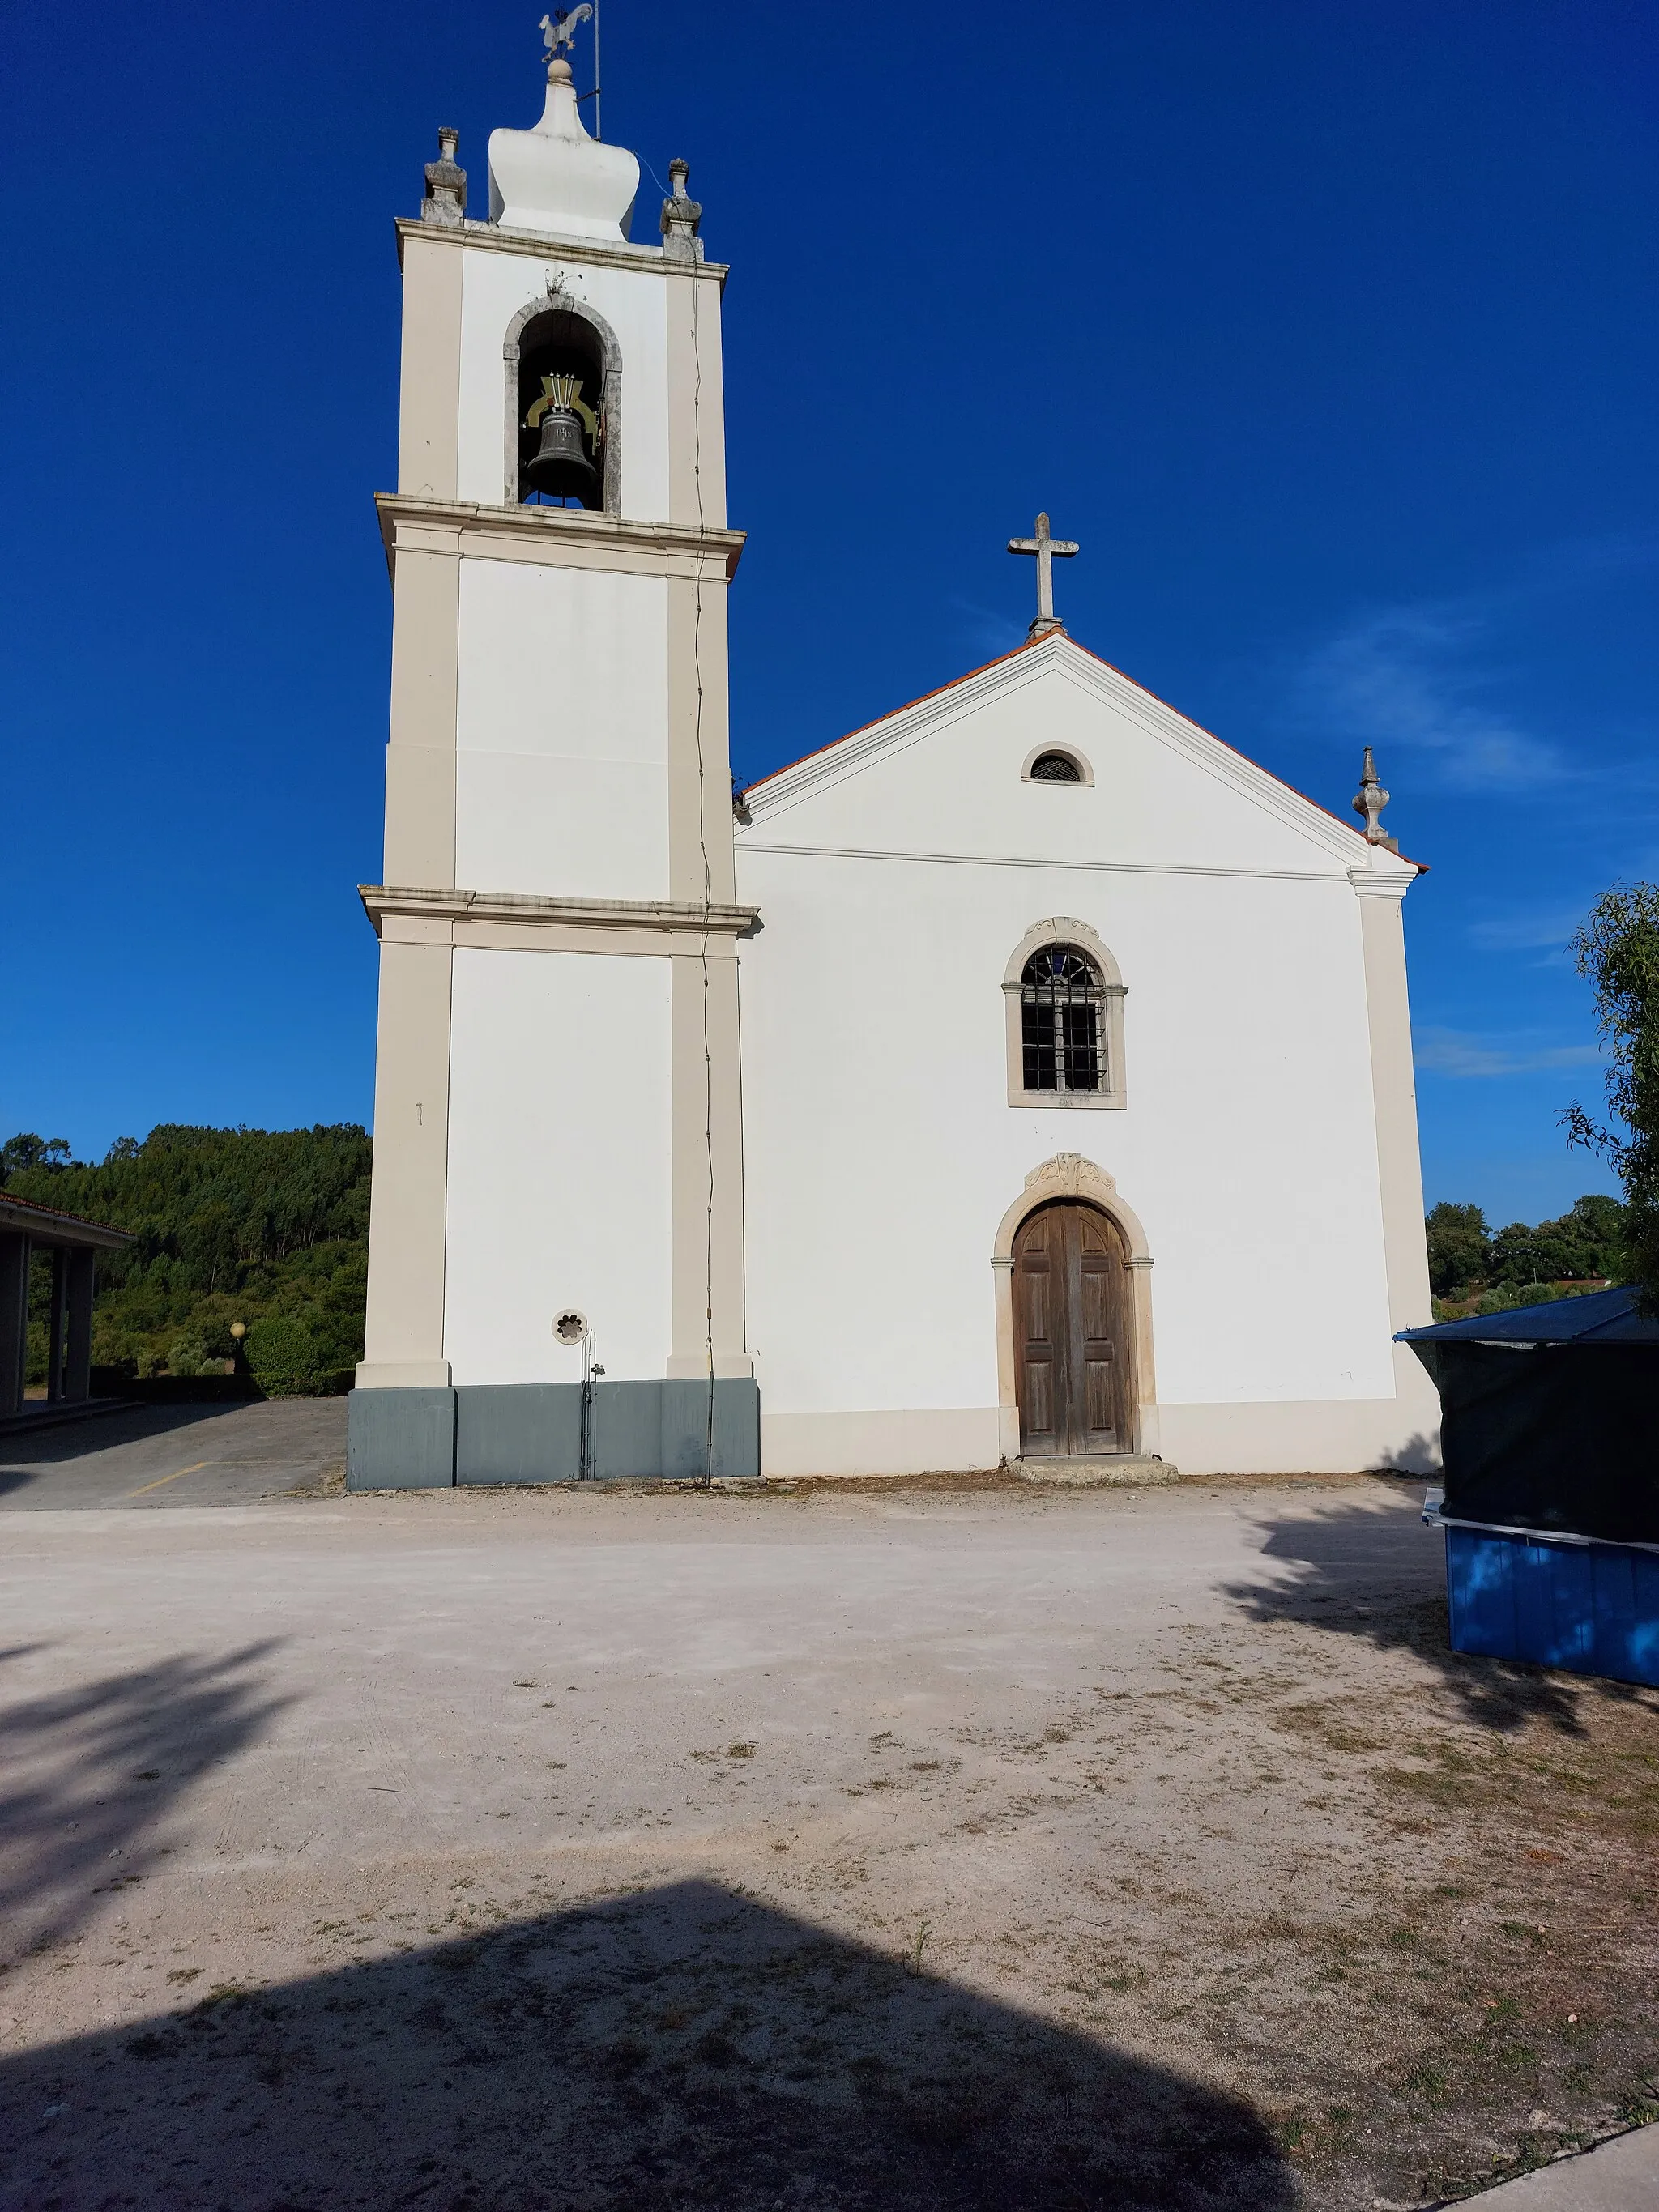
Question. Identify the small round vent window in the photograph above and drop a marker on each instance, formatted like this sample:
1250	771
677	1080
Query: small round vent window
1055	768
570	1326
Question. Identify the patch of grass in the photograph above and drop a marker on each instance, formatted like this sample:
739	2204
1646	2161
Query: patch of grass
1428	2083
222	1993
1523	1931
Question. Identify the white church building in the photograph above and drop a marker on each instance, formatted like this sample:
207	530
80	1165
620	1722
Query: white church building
1024	1077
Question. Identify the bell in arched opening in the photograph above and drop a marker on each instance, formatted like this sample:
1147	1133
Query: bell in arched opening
560	466
564	397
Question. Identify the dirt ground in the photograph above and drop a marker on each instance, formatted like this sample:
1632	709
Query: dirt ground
948	1845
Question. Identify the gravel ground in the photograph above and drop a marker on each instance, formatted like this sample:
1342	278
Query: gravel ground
950	1845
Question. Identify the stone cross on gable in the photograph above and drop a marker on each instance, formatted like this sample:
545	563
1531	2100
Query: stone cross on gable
1047	550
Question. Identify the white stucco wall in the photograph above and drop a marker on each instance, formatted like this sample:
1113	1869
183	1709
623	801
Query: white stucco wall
494	286
881	1150
559	1163
882	1153
561	732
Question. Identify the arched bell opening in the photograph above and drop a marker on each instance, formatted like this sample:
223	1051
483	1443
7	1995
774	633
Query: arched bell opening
563	412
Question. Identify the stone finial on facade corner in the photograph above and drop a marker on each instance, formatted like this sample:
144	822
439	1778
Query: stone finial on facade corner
681	218
1369	801
446	184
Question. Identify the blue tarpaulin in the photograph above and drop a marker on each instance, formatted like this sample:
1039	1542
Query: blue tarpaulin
1550	1439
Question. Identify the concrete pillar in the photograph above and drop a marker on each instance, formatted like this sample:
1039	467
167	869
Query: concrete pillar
77	1373
14	1317
60	1257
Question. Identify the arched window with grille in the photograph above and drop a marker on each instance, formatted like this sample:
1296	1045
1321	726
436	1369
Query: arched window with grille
1061	1010
1065	1018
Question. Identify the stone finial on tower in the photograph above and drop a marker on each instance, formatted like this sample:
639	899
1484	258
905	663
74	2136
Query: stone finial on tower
681	218
1368	802
446	184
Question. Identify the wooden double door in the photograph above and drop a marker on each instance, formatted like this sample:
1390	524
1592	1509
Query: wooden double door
1072	1342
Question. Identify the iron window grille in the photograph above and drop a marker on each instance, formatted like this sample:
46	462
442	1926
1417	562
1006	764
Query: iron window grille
1055	768
1062	1020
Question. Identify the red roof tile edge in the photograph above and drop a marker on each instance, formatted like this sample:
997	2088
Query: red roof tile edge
81	1220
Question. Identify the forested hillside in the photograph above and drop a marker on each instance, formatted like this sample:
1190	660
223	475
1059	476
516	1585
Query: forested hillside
270	1228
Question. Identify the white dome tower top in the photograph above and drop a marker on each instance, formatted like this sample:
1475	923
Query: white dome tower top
555	179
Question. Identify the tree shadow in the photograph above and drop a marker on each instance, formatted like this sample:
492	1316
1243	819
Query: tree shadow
685	2047
1418	1456
1376	1574
91	1773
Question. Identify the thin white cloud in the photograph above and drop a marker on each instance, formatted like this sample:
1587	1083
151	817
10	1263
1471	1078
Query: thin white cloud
1466	1054
990	632
1411	676
1538	930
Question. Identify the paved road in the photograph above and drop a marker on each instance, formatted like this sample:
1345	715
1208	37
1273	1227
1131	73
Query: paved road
1622	2176
162	1455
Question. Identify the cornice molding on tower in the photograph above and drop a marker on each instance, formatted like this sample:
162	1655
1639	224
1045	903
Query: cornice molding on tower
644	260
672	918
577	536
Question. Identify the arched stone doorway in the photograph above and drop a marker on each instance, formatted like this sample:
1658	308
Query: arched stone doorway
1073	1337
1120	1268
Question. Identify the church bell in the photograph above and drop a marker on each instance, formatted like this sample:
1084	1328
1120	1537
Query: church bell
560	465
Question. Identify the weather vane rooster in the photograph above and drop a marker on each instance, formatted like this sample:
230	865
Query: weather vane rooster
559	30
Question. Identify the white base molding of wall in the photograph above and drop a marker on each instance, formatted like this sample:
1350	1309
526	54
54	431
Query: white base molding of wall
947	1440
1336	1436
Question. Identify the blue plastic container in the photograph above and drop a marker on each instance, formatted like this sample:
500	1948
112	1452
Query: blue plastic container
1578	1603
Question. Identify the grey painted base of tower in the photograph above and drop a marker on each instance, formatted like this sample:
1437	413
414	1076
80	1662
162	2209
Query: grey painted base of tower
533	1432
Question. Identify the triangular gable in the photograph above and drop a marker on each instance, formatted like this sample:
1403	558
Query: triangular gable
773	795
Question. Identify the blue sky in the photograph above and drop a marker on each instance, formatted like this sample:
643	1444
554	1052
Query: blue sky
1330	331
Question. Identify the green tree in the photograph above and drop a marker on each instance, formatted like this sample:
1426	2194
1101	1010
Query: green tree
1587	1241
1459	1242
283	1355
24	1152
1618	951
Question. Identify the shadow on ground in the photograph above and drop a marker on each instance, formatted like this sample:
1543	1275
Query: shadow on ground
237	1452
1358	1570
91	1774
23	1452
686	2047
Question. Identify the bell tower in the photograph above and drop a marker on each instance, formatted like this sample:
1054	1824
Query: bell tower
556	1277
